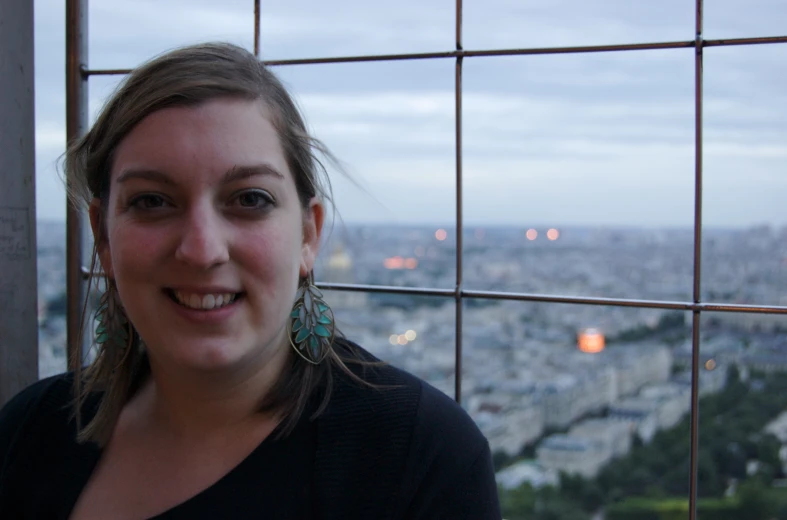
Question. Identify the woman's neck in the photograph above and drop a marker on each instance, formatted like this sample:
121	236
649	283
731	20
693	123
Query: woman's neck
193	405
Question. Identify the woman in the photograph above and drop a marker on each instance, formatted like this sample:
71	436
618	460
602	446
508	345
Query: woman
213	395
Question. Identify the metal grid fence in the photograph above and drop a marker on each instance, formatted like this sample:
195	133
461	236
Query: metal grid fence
78	74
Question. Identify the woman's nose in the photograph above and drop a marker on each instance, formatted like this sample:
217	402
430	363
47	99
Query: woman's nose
203	242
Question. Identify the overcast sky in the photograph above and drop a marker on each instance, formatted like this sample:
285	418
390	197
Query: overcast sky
582	139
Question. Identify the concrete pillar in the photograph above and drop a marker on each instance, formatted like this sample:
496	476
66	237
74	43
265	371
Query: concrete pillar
18	284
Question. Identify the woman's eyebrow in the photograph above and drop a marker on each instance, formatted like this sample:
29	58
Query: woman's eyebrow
235	173
145	174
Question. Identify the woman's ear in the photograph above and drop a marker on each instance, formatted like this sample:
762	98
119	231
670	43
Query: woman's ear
313	218
99	226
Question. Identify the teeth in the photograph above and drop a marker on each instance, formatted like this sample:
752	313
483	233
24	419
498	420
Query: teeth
204	302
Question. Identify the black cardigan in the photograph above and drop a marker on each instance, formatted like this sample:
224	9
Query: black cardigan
408	452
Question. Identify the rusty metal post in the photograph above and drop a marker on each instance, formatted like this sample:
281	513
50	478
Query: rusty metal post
257	28
697	292
76	125
18	283
459	209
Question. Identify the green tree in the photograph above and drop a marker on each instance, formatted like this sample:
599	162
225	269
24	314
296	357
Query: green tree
500	459
768	453
755	503
709	482
517	504
551	504
592	498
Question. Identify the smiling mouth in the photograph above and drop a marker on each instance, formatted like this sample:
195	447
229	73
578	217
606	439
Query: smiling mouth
203	302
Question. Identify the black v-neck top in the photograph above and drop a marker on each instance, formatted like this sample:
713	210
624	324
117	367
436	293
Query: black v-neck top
401	451
276	479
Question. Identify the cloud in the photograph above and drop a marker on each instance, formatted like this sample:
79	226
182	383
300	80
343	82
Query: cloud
50	137
584	138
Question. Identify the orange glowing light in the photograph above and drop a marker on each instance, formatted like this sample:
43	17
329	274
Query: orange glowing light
553	234
710	364
441	234
395	262
531	234
591	341
411	263
402	339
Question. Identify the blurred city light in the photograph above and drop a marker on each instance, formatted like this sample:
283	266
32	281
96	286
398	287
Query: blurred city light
399	262
590	341
395	262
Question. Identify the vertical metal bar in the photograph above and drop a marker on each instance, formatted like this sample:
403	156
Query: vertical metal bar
18	284
257	28
697	295
459	226
76	125
459	25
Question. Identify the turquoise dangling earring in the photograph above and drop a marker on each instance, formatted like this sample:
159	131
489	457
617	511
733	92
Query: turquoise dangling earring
113	330
311	330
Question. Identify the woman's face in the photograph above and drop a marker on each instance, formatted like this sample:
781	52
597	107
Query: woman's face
206	236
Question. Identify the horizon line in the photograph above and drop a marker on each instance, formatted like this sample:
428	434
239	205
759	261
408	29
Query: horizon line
510	225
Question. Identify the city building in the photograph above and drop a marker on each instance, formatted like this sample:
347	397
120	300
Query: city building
615	436
572	455
526	471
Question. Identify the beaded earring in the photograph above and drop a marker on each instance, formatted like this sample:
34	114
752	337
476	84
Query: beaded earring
311	329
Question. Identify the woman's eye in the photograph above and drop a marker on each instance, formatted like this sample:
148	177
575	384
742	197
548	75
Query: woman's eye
255	199
148	202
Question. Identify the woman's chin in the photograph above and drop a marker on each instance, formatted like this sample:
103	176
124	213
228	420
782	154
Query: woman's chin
206	357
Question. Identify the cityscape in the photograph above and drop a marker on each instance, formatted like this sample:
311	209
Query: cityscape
558	389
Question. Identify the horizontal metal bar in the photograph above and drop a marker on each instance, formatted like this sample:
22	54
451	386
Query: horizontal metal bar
745	41
583	300
312	61
107	72
580	49
734	307
545	298
498	52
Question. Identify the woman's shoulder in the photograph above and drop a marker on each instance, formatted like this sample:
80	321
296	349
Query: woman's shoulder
408	411
393	395
407	445
46	395
37	409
